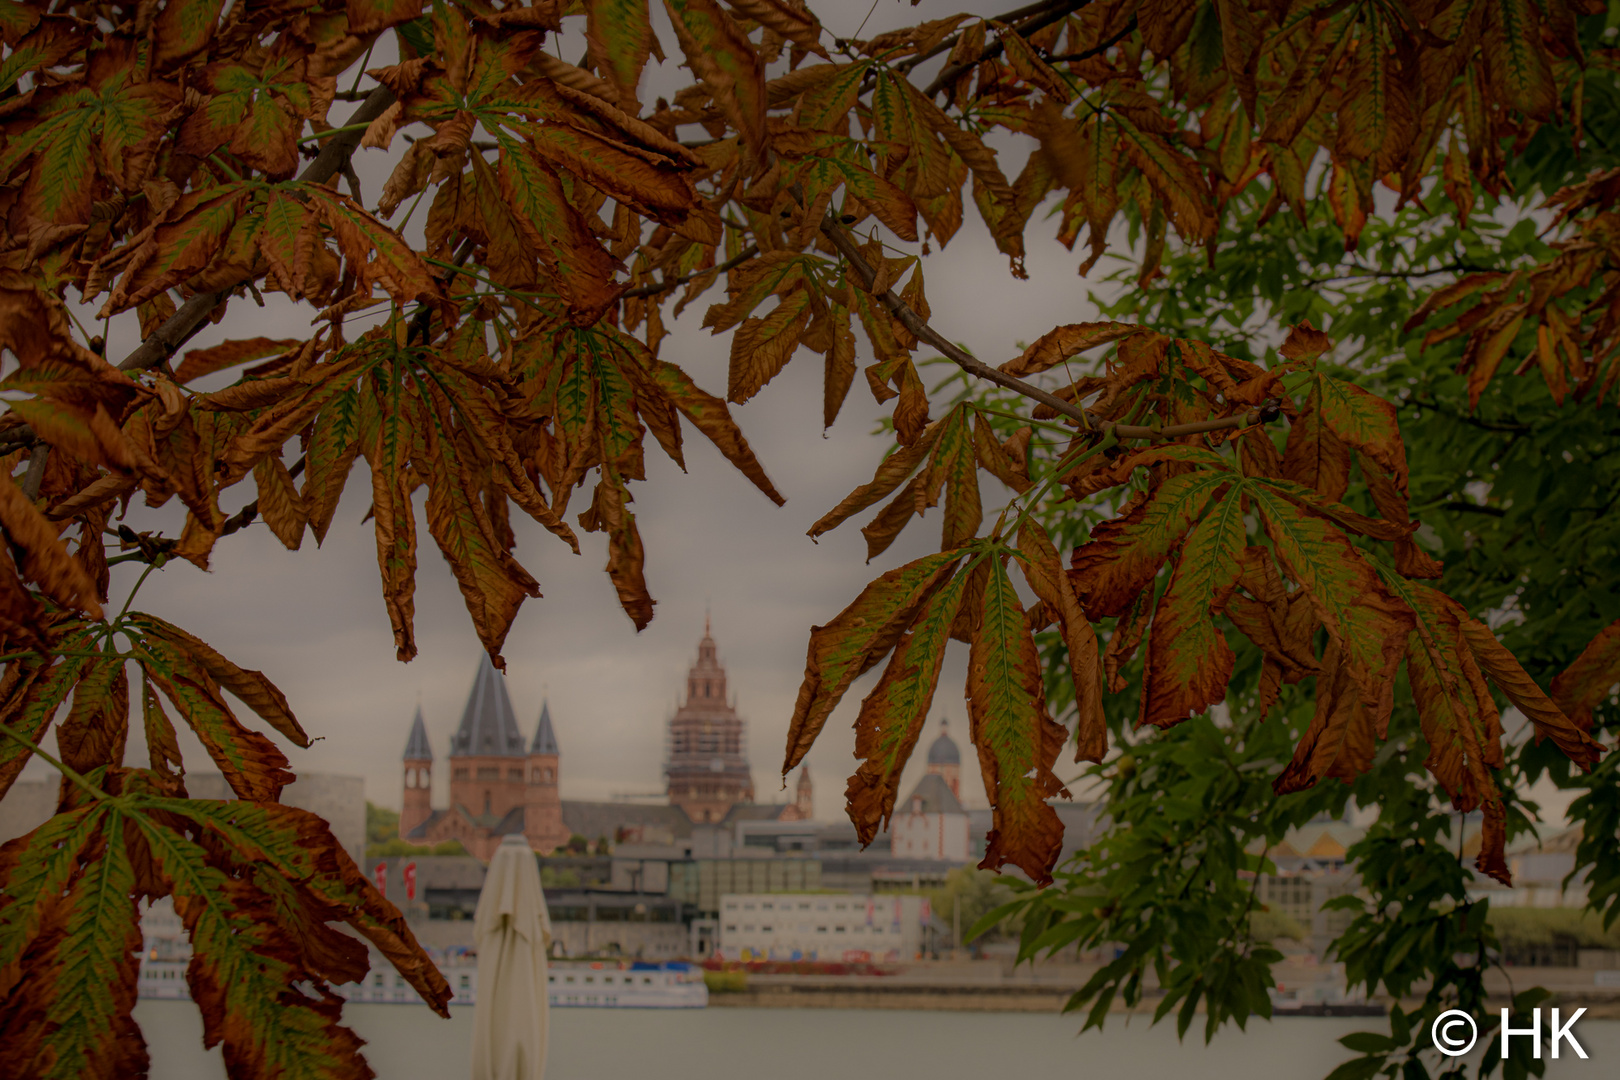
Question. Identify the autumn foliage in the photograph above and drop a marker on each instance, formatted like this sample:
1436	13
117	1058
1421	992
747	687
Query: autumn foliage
162	161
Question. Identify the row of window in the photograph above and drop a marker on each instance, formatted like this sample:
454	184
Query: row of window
537	775
380	979
805	928
800	905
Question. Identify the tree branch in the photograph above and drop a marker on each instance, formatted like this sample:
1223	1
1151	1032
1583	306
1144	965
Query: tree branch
1361	273
674	283
1087	54
949	43
951	72
920	329
36	471
1473	508
178	328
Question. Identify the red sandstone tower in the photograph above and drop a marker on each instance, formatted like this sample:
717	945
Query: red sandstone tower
498	786
487	758
542	808
804	803
418	804
708	767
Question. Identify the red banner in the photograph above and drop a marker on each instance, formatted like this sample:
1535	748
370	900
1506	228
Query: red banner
410	881
381	874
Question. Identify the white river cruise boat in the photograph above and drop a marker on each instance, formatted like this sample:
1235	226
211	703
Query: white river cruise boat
601	984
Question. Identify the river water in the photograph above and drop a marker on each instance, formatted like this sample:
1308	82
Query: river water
409	1043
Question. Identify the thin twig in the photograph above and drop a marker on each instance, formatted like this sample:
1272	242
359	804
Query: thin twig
1095	50
676	282
244	517
920	329
951	72
949	43
1473	508
36	471
1361	273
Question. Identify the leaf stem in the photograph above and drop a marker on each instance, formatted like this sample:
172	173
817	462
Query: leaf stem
224	168
329	132
60	766
155	564
497	286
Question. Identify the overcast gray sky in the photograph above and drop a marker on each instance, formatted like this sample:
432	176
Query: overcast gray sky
313	620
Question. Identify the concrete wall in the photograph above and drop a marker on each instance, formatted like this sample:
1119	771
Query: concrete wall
27	806
341	800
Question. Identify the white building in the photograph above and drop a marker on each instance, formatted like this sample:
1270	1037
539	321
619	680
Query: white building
821	926
930	824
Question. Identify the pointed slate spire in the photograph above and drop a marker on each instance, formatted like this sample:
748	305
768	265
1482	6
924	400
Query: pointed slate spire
417	747
488	728
545	740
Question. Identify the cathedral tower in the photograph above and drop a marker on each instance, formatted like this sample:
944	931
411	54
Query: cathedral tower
487	756
945	761
804	802
418	804
708	769
542	806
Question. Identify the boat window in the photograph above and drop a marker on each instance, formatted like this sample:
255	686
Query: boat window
646	980
569	979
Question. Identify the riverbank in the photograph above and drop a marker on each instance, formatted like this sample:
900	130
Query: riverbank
407	1042
990	986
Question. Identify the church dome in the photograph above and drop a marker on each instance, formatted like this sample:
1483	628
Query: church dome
944	751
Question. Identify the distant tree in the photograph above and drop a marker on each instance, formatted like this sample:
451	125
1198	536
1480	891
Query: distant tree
382	824
967	896
1364	541
395	846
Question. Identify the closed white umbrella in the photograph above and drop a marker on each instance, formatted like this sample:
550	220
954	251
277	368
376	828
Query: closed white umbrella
513	933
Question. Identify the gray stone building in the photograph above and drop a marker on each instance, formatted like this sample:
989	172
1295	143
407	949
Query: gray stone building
341	800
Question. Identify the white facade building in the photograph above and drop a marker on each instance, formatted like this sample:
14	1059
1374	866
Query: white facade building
930	824
821	926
